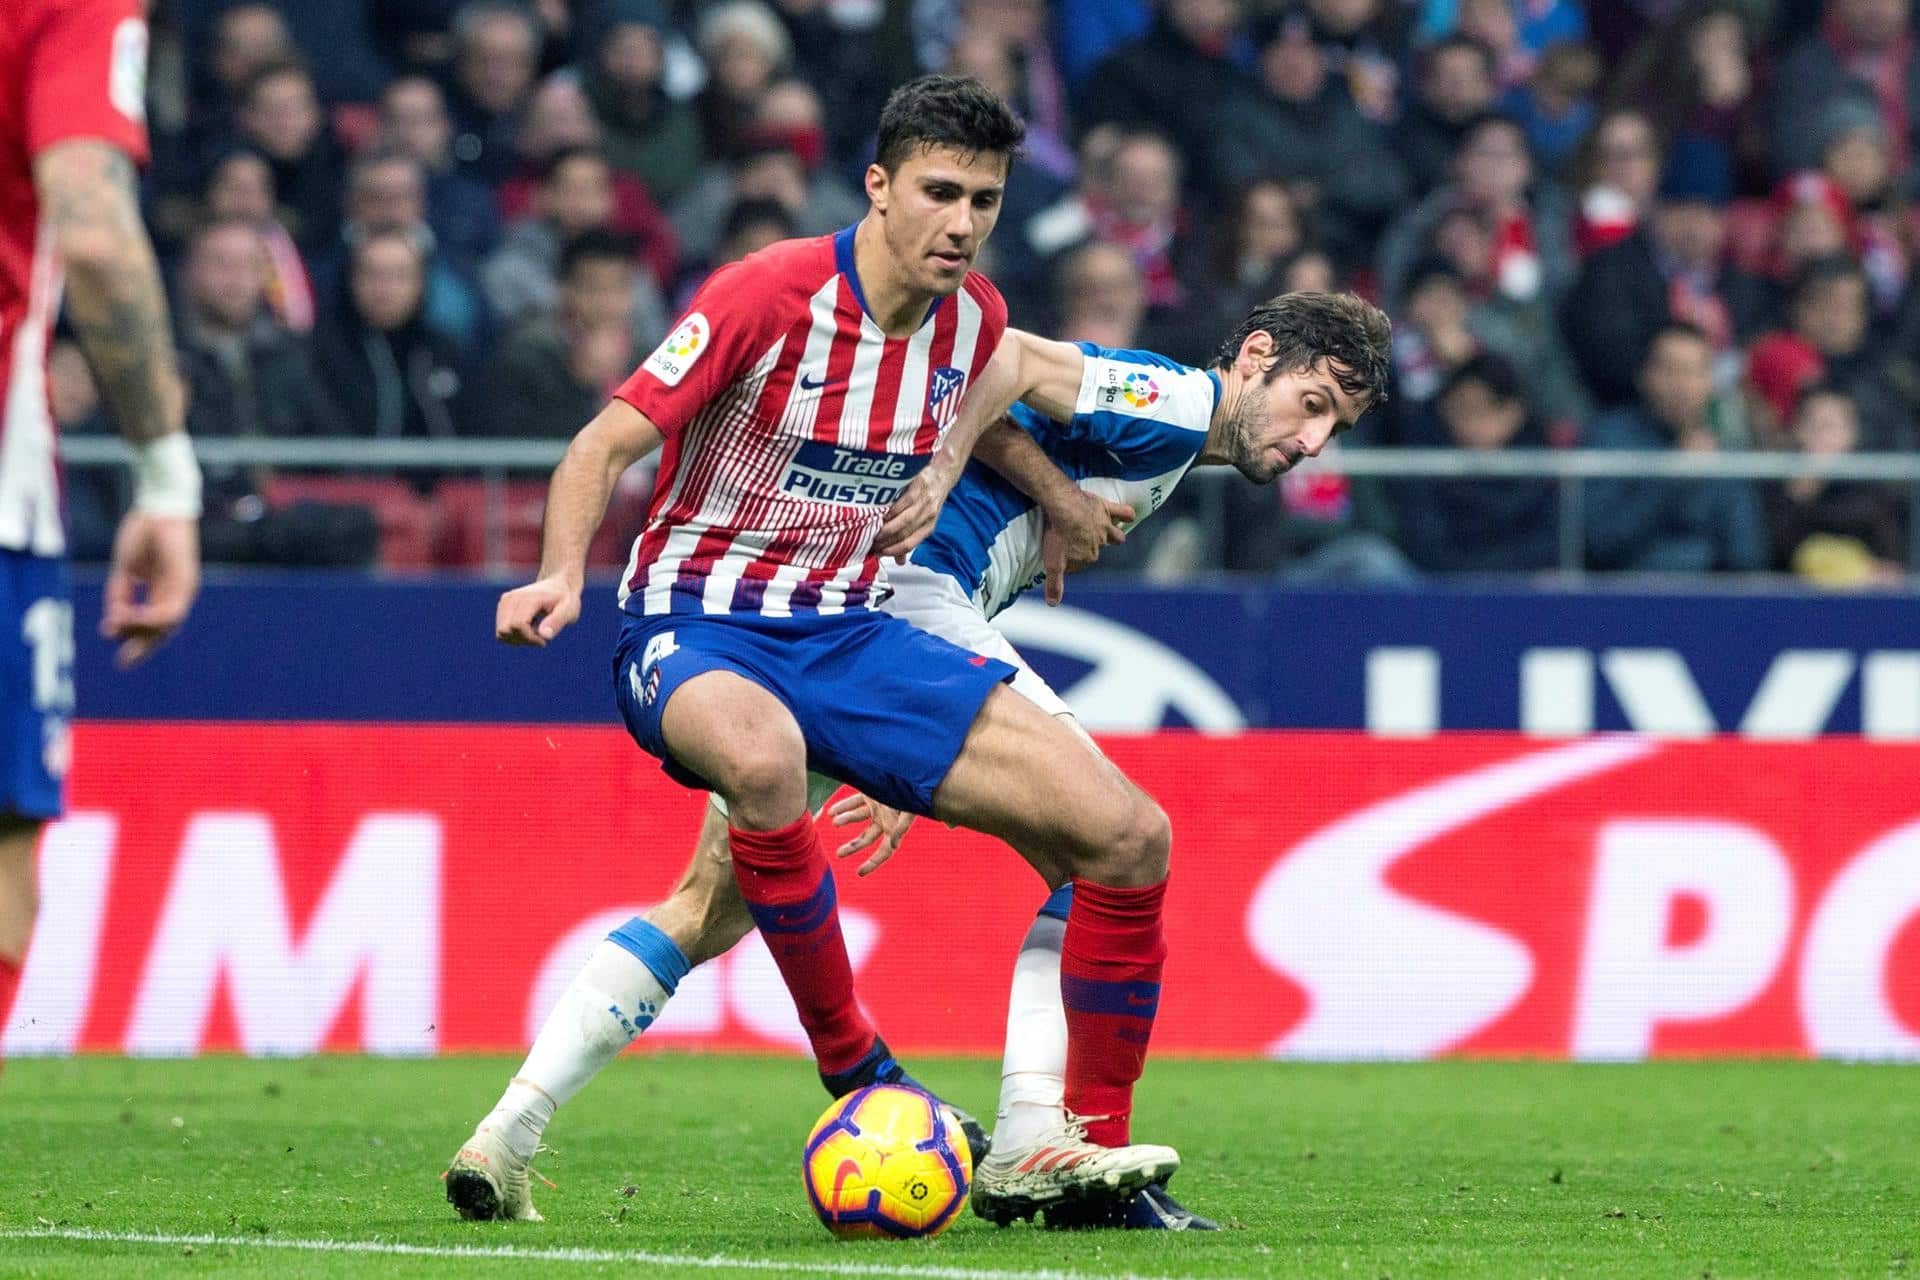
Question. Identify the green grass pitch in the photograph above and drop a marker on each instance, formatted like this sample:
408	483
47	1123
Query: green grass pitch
677	1165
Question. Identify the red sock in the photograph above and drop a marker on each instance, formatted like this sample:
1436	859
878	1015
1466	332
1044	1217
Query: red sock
1110	965
788	886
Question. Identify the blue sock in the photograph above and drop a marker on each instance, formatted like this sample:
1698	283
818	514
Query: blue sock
1058	901
654	949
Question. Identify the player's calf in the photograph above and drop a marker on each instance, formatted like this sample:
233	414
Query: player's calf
19	903
705	915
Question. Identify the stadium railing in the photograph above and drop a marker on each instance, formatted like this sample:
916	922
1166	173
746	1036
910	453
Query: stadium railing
496	460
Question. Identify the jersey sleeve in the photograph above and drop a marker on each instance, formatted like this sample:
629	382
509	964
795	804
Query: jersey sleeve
85	76
1150	412
725	329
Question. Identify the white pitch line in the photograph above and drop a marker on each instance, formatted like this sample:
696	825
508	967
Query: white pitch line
708	1262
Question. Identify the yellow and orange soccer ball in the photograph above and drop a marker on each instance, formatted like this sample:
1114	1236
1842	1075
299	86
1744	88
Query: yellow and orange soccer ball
887	1162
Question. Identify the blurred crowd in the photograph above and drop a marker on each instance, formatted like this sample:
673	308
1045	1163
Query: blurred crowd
1623	224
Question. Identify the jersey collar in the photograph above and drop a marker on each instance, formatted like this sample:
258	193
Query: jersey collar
843	262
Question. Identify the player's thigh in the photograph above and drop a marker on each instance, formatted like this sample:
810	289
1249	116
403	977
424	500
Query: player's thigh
19	896
1055	870
1028	778
705	915
743	740
886	706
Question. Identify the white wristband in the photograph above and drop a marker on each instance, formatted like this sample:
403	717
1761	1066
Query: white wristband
166	477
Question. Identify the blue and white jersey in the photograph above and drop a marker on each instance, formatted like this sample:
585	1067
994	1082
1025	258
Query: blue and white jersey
1138	424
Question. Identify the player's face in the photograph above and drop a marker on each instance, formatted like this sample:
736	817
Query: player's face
937	209
1285	421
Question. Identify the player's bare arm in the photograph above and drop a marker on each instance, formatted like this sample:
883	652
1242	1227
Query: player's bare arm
1022	366
1078	523
616	438
114	300
914	513
87	195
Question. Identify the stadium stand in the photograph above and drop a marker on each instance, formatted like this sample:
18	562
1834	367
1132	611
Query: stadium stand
1547	184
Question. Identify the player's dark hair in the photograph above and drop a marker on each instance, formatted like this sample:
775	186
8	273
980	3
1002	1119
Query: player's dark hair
946	111
1348	332
596	245
1495	373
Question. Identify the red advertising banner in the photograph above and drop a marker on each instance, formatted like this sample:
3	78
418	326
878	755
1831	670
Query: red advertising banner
411	890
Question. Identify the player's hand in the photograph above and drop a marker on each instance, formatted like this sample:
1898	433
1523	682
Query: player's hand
155	576
1076	532
914	513
885	825
537	612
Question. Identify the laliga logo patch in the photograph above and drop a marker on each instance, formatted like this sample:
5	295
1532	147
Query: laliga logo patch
673	357
944	395
1139	390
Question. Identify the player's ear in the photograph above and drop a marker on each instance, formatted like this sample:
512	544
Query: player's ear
879	183
1256	353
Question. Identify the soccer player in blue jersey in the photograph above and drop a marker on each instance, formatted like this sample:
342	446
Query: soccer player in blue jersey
1099	439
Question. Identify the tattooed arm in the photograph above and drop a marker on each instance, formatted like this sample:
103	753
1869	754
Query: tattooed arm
114	299
117	309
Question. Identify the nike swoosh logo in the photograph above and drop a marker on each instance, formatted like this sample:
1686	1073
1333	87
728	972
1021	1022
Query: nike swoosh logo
848	1171
1138	1001
808	384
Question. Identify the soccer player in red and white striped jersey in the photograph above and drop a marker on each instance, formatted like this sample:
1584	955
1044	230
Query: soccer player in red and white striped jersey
72	127
804	403
773	482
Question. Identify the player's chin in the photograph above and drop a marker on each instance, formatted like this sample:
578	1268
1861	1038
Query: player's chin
945	276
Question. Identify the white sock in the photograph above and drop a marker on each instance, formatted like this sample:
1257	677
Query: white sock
611	1000
1033	1074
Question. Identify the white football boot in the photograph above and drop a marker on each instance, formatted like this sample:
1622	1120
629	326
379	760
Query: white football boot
488	1181
1061	1167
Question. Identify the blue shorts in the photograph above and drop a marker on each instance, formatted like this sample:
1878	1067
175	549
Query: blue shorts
883	706
36	683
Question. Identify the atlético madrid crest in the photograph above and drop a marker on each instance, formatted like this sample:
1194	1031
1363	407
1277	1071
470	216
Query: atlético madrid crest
943	395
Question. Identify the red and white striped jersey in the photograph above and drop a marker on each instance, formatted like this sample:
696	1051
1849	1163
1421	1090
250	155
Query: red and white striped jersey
68	69
792	423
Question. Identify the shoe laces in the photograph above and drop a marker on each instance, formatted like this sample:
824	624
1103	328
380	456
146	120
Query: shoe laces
539	1151
1076	1127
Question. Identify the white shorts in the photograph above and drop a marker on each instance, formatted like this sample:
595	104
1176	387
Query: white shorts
936	604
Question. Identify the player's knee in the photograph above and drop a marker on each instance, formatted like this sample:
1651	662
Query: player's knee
1149	840
762	779
1134	849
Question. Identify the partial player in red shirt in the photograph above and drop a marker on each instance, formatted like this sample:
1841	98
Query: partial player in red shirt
71	131
805	403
